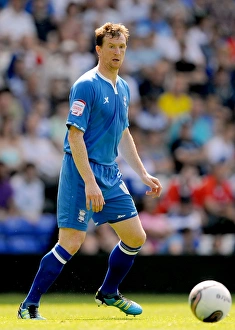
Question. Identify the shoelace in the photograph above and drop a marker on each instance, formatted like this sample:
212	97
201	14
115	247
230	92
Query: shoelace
119	296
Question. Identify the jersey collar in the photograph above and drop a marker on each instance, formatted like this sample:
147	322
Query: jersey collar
108	80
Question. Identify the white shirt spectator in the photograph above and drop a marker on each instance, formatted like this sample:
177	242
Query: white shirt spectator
61	5
16	24
133	11
29	192
40	150
217	148
221	145
171	50
99	13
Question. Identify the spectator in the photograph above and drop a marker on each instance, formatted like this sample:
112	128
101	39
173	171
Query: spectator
134	186
98	13
11	152
155	225
58	88
152	80
40	150
155	22
29	194
175	100
157	149
186	222
52	44
179	49
42	12
100	239
7	205
34	52
186	150
10	106
56	124
221	144
33	56
151	117
133	84
106	238
201	32
216	113
138	9
16	75
223	87
33	91
5	55
71	24
185	184
202	127
21	22
41	106
61	6
141	53
218	200
84	58
64	64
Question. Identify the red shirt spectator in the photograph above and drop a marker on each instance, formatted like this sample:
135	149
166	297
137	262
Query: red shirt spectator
185	184
217	200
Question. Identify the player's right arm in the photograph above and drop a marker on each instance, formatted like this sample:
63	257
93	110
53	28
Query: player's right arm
94	196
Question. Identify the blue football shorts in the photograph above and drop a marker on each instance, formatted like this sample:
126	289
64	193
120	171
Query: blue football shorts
71	200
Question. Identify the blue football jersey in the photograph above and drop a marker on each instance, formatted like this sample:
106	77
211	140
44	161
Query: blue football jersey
100	110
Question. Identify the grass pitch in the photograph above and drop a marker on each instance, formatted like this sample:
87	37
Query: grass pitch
79	312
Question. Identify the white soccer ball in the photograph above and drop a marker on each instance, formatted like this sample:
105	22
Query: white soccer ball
210	301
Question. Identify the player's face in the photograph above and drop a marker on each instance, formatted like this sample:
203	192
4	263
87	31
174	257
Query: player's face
112	52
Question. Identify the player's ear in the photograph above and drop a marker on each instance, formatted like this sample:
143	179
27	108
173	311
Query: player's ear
97	48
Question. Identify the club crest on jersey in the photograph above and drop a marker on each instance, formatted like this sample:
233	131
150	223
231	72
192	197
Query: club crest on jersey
78	107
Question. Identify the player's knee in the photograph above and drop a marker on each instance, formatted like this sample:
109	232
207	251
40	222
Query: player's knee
139	239
71	247
142	238
72	242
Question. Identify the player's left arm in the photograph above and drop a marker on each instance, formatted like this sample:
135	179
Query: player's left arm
129	152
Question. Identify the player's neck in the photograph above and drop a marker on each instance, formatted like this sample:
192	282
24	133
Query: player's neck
109	74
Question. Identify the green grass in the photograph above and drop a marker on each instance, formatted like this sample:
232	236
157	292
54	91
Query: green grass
79	312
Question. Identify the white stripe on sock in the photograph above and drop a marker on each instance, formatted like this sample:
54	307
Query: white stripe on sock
126	251
56	254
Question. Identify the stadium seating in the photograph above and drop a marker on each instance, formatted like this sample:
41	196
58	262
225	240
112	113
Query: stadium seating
19	236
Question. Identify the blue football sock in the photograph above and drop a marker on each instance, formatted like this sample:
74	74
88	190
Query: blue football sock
120	261
50	267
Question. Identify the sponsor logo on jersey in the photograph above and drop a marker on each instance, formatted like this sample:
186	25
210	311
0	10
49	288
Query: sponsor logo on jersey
133	213
121	216
106	99
78	107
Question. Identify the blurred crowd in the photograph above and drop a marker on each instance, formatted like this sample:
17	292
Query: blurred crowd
180	67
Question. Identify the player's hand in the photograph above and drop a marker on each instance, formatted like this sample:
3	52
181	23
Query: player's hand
154	184
94	197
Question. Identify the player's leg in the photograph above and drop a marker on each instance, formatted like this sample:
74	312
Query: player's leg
132	237
130	231
73	224
50	267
